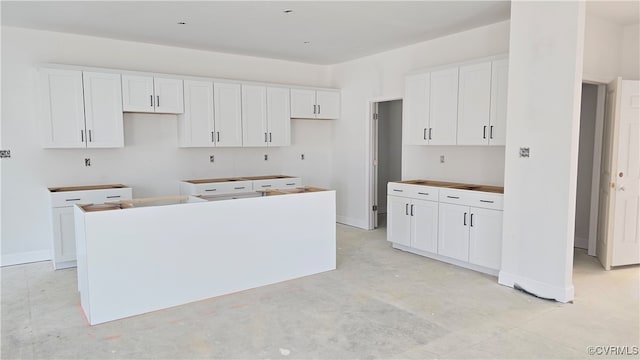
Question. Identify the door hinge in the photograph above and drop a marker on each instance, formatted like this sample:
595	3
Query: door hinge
4	154
375	116
375	207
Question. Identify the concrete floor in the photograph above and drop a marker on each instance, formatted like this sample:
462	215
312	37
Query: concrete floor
379	303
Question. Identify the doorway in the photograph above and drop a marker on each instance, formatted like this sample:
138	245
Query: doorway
386	130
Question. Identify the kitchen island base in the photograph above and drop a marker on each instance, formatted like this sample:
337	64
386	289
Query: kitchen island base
136	260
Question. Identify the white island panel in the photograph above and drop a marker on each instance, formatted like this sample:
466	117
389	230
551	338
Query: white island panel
132	261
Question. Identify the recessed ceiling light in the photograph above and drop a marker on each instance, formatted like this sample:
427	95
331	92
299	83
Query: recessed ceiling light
181	23
288	11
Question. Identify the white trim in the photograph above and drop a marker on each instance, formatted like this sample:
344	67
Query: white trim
25	257
595	174
595	79
543	290
359	223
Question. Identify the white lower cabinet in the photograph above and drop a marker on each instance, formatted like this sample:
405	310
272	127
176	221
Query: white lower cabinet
463	227
63	226
226	186
413	223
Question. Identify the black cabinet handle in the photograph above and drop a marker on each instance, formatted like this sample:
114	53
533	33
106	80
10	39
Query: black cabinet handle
406	209
158	101
218	136
318	109
484	132
270	140
268	185
290	184
210	189
151	99
90	139
421	193
314	109
465	219
411	209
424	134
430	133
491	132
72	199
471	220
487	201
265	137
398	190
212	138
239	187
113	196
81	135
454	197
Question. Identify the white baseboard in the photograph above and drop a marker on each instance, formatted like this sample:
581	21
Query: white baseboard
25	257
352	222
543	290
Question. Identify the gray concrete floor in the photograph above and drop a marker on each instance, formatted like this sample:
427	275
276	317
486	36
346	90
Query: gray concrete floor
379	303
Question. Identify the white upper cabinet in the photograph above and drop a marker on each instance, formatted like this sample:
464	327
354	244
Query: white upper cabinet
228	114
443	107
62	109
254	116
278	116
81	110
474	102
103	110
328	104
499	83
266	118
315	104
152	94
416	110
196	126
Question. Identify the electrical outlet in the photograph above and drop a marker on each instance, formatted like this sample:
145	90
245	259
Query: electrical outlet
524	152
266	157
441	159
87	162
5	154
301	156
211	158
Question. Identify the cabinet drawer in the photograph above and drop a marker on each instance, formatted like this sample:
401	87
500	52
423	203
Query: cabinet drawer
230	187
479	199
287	183
413	191
69	198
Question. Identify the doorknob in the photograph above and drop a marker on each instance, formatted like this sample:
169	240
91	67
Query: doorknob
621	188
620	174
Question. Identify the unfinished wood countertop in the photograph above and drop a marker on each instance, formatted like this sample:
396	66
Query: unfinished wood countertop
452	185
87	187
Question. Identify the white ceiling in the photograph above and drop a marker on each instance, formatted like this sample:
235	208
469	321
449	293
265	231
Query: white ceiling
337	31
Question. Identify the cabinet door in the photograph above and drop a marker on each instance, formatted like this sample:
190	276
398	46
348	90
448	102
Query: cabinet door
278	116
103	109
443	107
228	114
64	237
137	93
62	109
328	103
415	113
453	231
485	237
169	96
303	104
398	221
254	116
499	83
424	225
474	102
196	125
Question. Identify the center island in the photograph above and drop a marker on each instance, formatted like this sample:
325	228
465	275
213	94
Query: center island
141	255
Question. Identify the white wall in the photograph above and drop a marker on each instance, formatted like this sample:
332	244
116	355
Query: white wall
381	76
585	163
150	162
543	113
630	59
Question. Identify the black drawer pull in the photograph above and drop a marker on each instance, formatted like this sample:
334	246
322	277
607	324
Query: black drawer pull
421	193
113	196
290	184
73	199
398	190
453	197
239	188
487	201
210	189
268	185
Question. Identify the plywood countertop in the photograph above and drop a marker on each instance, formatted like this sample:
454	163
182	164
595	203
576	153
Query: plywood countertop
240	178
459	186
87	187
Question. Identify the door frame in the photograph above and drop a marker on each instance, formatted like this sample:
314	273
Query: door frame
372	149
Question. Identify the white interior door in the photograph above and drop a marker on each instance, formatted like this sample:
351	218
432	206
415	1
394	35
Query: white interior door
626	248
603	246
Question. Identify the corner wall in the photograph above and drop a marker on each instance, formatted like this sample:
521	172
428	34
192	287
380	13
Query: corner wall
151	162
380	77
